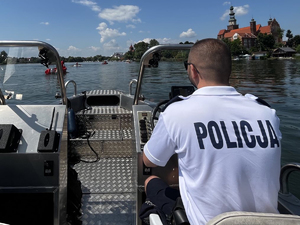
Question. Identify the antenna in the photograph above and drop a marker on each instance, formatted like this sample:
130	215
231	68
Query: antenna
50	128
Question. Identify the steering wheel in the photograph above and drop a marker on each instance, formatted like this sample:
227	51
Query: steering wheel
157	109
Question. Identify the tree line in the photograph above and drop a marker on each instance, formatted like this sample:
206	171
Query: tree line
141	47
264	42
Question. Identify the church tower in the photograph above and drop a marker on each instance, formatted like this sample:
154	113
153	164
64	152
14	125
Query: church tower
131	49
253	26
232	21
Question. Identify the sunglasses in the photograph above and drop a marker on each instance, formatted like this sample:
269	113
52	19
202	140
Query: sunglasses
186	65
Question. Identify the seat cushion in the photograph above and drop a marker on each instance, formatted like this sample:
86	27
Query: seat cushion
254	218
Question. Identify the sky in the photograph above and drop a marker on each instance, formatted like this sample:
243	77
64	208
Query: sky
96	27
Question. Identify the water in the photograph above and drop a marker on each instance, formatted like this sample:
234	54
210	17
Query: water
277	82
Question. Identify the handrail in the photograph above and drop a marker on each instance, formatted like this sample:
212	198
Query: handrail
130	85
2	98
284	175
75	86
41	44
145	57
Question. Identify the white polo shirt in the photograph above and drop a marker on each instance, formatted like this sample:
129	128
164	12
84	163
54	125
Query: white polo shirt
228	148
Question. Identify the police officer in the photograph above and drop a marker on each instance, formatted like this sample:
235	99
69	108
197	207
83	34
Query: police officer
228	145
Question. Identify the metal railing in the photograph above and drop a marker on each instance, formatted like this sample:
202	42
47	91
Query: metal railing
144	62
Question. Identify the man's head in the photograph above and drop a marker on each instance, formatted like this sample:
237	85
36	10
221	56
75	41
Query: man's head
209	63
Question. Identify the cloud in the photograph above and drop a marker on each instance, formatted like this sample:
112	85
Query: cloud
90	4
48	39
147	40
239	11
44	23
112	45
73	49
94	48
188	34
227	3
130	26
165	40
122	13
107	33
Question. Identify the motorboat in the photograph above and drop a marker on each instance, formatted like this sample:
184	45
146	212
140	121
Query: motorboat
77	65
104	62
78	160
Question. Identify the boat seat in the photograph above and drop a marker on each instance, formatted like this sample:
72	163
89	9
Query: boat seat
254	218
245	218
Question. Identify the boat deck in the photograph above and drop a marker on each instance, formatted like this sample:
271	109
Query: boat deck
108	191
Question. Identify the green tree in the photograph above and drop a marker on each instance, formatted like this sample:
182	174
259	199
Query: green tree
129	55
227	42
280	33
182	55
290	41
236	47
296	40
153	42
188	42
265	42
298	49
140	49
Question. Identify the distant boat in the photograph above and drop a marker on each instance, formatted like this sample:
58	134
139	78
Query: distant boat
105	62
77	65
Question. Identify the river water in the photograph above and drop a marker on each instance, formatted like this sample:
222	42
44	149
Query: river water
277	82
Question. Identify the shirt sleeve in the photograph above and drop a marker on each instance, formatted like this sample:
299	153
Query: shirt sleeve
160	147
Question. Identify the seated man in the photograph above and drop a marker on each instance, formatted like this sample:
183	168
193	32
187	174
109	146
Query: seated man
228	145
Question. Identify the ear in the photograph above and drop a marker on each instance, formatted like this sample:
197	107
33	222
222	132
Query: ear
194	73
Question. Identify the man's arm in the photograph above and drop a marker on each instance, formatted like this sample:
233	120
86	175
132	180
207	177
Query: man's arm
147	162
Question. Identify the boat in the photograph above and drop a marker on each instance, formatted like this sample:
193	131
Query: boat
79	159
77	65
54	70
104	63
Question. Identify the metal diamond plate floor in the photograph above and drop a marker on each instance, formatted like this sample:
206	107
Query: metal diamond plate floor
108	191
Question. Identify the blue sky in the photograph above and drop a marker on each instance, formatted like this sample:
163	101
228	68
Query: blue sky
94	27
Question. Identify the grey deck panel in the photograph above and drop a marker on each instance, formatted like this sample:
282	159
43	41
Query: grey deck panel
109	192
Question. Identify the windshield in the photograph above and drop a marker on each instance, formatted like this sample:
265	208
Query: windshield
25	80
22	77
157	82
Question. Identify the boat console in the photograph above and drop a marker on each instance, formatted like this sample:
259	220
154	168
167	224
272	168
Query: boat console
33	163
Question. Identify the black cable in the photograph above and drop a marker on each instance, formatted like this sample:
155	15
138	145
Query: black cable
88	135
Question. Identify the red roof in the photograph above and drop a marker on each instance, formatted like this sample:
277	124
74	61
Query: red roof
242	30
221	32
265	30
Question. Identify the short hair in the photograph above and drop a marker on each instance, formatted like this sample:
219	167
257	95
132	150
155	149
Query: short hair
212	58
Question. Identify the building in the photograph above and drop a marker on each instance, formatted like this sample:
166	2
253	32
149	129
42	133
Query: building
248	35
131	49
118	55
284	52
